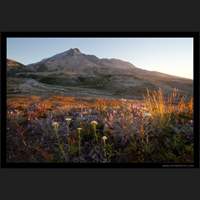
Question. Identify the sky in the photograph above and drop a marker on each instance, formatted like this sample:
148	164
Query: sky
168	55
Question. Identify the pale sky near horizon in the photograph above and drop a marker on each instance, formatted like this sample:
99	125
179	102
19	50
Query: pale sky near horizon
168	55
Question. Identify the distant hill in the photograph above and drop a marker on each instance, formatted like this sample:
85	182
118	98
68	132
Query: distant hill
12	64
77	74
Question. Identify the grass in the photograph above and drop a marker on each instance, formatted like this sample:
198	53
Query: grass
157	129
164	107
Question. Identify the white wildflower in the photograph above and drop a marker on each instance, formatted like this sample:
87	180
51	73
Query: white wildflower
68	119
94	122
104	138
55	125
79	129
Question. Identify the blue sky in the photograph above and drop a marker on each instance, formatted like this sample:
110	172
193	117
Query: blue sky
168	55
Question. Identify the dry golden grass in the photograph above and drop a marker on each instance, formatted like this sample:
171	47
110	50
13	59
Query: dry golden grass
162	107
64	102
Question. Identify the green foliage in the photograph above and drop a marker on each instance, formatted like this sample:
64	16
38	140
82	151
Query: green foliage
99	81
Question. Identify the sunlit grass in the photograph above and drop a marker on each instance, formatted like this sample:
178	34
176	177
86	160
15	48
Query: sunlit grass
163	107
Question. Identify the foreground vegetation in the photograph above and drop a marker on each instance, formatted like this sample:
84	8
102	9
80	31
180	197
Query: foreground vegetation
158	129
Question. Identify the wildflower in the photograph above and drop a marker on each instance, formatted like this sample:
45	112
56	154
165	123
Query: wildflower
55	125
68	119
79	129
94	122
104	138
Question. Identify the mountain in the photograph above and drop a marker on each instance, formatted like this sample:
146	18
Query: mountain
74	73
74	60
12	64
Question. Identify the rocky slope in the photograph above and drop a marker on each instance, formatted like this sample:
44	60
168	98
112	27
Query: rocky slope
75	73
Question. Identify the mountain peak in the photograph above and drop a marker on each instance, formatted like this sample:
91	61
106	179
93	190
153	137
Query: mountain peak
74	51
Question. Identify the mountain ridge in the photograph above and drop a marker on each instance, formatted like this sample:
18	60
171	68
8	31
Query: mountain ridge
73	70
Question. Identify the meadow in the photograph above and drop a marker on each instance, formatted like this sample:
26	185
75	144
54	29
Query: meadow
157	129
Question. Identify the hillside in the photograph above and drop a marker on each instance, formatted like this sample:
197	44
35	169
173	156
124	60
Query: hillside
73	73
12	64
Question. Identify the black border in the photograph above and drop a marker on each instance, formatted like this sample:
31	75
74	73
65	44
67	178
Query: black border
194	35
